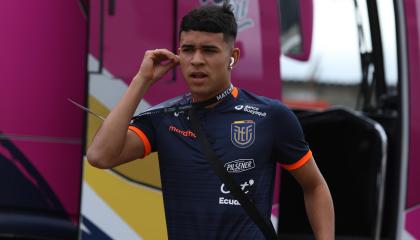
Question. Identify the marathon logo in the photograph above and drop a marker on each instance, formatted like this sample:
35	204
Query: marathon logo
240	165
186	133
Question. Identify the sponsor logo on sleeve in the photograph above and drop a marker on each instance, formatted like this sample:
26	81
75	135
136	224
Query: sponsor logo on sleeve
243	133
240	165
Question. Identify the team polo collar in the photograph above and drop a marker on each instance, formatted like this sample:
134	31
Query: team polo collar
231	91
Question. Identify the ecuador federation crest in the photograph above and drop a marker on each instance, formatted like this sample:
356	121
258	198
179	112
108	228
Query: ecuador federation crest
242	133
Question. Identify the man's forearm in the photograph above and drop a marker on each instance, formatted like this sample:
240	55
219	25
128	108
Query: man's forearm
320	210
110	138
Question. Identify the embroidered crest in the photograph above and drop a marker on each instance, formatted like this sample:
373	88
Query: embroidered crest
243	133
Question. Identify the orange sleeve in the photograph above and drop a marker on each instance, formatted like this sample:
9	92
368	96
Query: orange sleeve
299	163
144	139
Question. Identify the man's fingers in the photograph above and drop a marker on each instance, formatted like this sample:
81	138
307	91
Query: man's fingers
161	55
169	66
169	61
157	63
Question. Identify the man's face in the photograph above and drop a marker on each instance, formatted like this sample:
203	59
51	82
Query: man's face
204	60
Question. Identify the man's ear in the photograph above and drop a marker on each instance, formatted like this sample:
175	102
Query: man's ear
236	54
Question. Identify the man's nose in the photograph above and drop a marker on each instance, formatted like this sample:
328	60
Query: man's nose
197	58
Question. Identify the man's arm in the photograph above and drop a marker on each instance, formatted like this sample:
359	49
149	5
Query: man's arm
113	144
318	201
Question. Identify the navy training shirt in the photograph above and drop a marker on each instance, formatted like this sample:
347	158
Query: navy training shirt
249	134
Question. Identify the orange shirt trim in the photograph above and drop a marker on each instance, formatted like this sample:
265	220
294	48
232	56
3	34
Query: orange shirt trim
299	163
143	138
235	92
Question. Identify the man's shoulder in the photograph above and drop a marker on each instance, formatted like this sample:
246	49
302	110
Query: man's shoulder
168	105
263	101
274	108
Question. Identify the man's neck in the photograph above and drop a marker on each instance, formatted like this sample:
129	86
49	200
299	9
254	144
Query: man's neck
214	99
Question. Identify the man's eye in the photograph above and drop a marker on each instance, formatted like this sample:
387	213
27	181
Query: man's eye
187	50
210	50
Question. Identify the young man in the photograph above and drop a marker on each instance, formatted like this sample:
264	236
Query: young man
248	133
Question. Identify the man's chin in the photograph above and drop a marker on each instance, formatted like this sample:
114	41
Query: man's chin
198	82
200	93
196	85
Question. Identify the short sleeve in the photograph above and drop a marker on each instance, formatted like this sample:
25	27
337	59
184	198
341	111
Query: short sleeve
142	126
290	146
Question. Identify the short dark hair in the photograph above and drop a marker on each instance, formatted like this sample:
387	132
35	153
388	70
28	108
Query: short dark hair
211	18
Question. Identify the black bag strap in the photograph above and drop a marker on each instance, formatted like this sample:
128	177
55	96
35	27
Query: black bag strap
266	227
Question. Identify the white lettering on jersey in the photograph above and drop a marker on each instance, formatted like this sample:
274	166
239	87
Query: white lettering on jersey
251	109
244	187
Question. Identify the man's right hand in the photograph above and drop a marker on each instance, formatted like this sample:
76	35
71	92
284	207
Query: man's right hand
156	63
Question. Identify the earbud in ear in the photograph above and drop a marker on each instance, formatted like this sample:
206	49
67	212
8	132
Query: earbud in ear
232	61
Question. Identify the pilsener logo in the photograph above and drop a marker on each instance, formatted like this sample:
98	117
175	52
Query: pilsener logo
240	165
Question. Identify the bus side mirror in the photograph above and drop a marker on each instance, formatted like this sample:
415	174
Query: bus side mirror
296	21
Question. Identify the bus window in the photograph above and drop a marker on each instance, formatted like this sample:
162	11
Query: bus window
339	70
332	73
296	20
291	35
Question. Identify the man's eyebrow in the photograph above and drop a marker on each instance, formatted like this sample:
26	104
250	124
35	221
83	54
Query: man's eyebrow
202	46
187	46
209	47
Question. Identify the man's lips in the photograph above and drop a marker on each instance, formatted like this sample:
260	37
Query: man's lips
198	75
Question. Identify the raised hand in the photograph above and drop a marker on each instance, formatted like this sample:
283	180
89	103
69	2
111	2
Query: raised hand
156	63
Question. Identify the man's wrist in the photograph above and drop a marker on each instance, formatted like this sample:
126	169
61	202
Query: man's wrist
142	81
